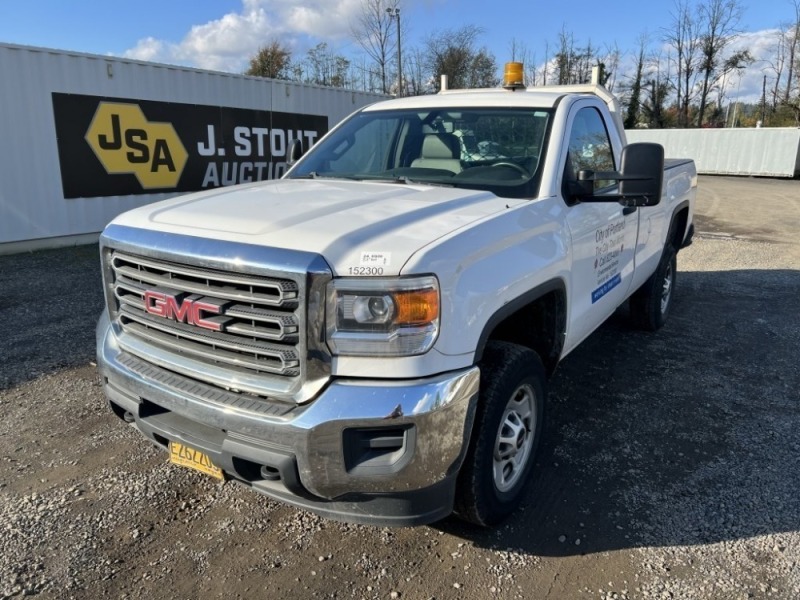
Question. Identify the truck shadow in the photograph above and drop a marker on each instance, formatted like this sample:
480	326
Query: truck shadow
685	436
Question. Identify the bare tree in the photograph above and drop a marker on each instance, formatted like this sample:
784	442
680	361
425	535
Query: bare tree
565	58
530	69
793	51
585	59
373	31
611	61
363	71
736	62
719	25
684	39
415	75
546	67
653	106
272	61
483	70
794	106
656	91
323	67
777	65
520	53
453	53
573	63
518	50
632	114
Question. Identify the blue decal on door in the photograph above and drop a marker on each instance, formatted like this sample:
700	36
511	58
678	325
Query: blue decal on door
606	287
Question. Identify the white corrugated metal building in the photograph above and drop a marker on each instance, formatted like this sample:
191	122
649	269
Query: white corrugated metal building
86	137
763	152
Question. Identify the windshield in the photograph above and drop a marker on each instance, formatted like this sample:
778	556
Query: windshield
494	149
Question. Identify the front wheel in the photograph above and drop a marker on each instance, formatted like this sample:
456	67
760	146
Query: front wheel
651	303
508	425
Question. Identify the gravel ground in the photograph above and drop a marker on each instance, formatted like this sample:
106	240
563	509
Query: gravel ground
669	467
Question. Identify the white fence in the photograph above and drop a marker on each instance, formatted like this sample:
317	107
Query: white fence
767	152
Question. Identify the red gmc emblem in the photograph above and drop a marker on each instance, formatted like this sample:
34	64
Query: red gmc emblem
191	310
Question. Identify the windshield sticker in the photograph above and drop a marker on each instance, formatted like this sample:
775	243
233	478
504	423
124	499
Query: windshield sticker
371	264
375	259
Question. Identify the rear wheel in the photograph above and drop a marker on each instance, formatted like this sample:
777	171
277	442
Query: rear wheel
508	425
651	303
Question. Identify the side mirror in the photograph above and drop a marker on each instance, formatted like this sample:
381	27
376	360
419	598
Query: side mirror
295	152
642	173
640	179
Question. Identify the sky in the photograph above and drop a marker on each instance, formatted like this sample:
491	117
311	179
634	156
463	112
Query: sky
222	34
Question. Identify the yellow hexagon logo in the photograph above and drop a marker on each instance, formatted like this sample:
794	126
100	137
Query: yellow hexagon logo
124	141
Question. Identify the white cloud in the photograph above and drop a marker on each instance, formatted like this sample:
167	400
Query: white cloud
324	19
227	43
148	48
762	46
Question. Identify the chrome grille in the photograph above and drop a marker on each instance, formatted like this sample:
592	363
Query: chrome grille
259	318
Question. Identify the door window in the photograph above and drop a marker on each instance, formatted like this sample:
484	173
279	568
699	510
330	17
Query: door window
589	146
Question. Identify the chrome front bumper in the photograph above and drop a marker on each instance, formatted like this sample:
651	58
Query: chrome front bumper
376	451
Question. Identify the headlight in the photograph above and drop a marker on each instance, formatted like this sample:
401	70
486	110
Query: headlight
382	317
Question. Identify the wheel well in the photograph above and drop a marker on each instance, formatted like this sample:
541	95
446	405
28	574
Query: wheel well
539	325
677	231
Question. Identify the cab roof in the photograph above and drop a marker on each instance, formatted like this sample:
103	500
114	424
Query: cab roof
535	97
477	98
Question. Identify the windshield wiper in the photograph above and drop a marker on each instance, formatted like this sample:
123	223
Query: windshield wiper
399	179
406	181
315	175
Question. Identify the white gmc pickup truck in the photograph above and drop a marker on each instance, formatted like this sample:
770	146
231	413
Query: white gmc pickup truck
370	337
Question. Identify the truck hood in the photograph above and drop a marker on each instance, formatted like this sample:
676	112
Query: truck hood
351	224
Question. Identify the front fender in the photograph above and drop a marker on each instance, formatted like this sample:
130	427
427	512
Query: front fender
494	264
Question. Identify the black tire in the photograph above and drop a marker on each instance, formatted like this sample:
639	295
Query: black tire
651	303
510	406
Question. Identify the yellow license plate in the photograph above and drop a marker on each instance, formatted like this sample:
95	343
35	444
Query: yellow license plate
181	454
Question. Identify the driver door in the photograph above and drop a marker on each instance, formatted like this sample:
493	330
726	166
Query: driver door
603	233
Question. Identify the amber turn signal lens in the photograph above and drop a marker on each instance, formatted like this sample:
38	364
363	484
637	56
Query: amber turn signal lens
415	307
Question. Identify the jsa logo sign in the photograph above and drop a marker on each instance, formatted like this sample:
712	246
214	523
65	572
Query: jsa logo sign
124	141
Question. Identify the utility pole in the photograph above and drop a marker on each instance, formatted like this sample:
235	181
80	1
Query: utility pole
394	13
736	104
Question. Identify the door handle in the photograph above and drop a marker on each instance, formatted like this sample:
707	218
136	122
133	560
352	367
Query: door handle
628	210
